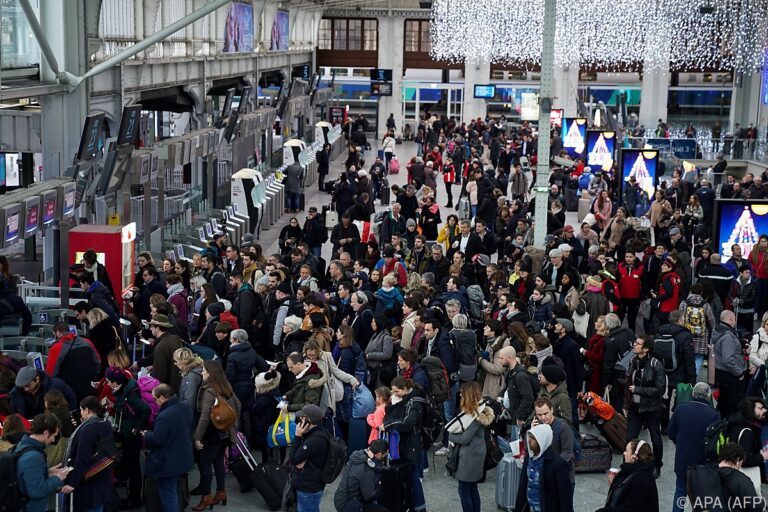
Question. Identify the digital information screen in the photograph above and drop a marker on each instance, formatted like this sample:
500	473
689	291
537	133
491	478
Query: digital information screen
641	164
600	149
485	91
574	134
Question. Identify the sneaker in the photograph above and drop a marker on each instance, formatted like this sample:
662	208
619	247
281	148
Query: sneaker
442	452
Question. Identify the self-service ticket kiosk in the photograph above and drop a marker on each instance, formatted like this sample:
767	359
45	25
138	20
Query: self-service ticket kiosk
323	129
291	151
246	199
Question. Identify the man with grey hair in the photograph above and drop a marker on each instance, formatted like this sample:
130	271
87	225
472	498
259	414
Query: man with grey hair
687	426
556	266
241	363
729	363
618	343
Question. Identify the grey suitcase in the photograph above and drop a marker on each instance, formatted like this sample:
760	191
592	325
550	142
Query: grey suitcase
507	482
463	209
585	204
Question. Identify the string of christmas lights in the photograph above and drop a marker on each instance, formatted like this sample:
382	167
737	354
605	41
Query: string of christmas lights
615	34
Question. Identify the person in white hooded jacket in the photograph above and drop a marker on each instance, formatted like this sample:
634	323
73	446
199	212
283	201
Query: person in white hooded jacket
545	484
758	354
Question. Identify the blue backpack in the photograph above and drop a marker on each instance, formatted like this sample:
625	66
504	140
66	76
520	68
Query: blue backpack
576	438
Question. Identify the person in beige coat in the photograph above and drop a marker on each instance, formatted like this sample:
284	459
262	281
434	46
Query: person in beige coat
332	379
491	367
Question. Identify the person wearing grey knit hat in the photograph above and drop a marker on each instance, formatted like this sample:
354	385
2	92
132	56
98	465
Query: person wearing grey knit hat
567	324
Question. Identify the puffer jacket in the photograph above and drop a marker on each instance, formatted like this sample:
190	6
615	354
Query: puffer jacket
241	363
405	417
648	376
540	311
302	393
467	431
758	349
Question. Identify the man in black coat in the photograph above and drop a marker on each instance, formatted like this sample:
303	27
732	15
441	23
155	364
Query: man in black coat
323	165
247	306
408	202
12	304
567	350
617	343
686	364
314	231
687	426
519	387
213	274
309	451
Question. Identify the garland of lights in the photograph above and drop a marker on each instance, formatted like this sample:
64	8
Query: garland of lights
614	34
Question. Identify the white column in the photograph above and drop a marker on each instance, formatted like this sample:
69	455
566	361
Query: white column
475	73
565	84
391	36
270	8
746	104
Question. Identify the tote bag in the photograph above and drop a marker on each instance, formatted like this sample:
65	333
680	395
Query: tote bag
282	432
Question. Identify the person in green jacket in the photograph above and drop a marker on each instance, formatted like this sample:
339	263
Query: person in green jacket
131	417
302	393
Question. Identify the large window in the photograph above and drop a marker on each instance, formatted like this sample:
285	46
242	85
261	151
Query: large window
417	38
348	34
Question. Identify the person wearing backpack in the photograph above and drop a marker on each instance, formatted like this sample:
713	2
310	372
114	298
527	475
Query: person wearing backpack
166	344
36	482
618	343
643	402
729	363
699	320
520	392
361	481
744	428
308	455
673	346
686	429
131	417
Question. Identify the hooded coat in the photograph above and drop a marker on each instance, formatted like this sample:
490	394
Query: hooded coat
545	475
360	483
633	490
467	432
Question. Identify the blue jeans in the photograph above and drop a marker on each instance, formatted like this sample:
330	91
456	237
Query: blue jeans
417	491
680	493
315	251
699	360
166	488
292	200
449	408
308	501
470	496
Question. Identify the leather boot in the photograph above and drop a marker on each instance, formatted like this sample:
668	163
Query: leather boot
220	498
206	502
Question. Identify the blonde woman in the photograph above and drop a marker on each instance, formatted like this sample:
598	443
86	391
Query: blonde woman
332	380
104	336
492	369
190	367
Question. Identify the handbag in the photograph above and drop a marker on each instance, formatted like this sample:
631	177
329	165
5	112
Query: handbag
331	218
452	462
393	438
107	454
363	403
223	415
282	432
711	365
581	324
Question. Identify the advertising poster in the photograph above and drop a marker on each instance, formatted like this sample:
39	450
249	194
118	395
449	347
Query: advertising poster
740	222
642	165
600	149
574	134
238	28
529	106
280	35
556	118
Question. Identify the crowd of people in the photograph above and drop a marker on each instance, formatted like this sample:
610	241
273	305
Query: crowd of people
455	325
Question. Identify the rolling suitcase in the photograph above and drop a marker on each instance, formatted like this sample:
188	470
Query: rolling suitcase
395	491
152	496
615	431
595	457
463	209
270	480
385	192
244	468
507	482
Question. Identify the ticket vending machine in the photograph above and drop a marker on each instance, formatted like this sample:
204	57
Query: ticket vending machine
12	224
31	217
245	199
114	246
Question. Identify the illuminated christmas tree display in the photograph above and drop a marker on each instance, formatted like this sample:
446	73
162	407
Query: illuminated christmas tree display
744	234
640	172
600	155
574	139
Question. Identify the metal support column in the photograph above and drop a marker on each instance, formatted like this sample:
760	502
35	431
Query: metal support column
545	106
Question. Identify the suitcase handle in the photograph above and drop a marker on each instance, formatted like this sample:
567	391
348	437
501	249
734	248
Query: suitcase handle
247	456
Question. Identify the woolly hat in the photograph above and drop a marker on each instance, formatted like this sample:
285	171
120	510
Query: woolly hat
266	381
117	375
25	376
285	287
594	281
553	373
215	309
589	219
669	262
410	222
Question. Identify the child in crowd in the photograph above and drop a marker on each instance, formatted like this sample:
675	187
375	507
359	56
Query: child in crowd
376	418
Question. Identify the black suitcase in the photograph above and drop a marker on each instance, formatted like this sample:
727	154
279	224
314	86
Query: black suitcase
270	480
302	199
152	497
395	488
596	455
571	199
244	467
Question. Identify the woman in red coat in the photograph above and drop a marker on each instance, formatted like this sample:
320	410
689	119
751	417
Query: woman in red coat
667	293
593	355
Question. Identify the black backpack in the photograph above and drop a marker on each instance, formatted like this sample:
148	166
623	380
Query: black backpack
11	497
665	350
336	458
705	489
432	423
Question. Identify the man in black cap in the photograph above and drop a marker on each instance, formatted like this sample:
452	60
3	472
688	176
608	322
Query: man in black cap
309	451
163	367
553	387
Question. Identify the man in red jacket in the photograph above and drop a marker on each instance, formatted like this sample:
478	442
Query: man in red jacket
631	278
74	360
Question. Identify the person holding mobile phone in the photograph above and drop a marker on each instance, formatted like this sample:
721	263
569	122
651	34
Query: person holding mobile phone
308	454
